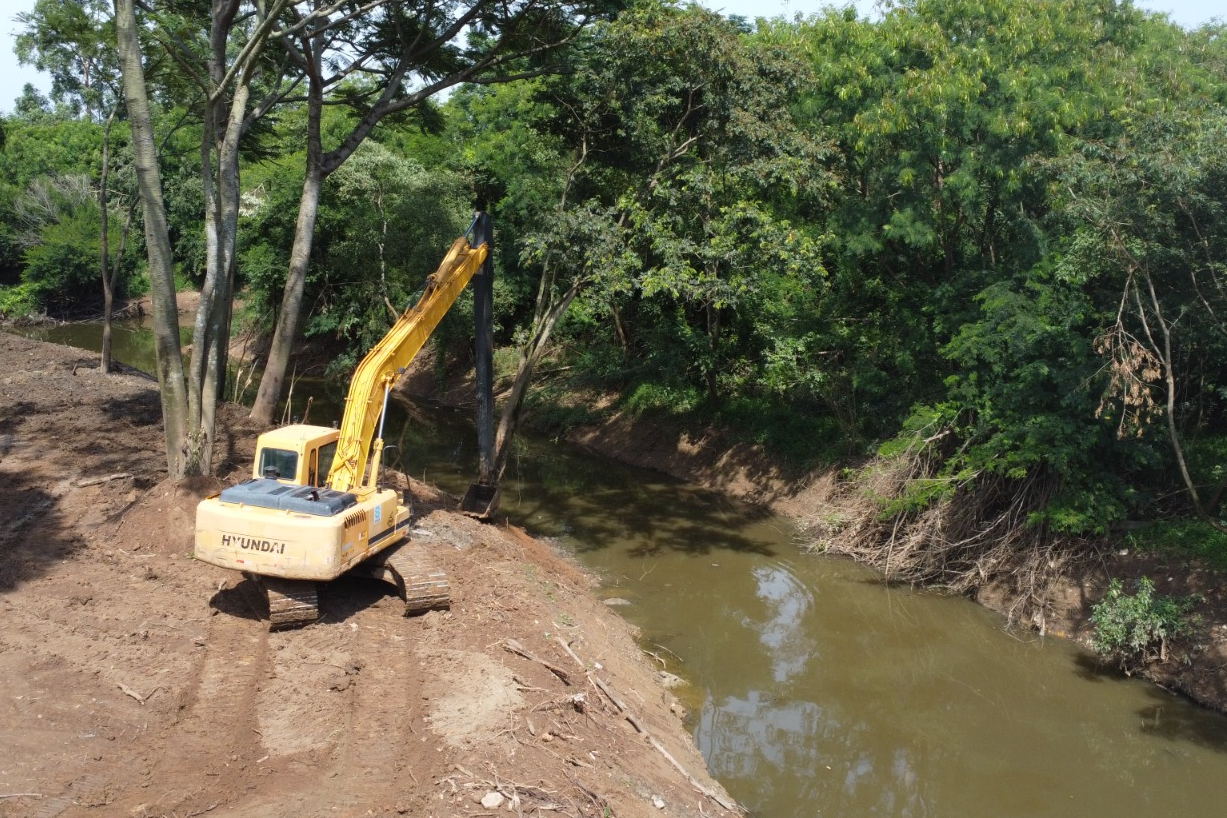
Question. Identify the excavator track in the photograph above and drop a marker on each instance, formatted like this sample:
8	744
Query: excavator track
291	603
423	585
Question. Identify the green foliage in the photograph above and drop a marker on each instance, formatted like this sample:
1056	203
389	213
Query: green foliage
1182	540
646	398
1136	629
63	266
17	302
797	435
75	43
384	224
45	149
60	224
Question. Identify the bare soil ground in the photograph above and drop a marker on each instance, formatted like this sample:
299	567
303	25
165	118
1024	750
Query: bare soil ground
139	682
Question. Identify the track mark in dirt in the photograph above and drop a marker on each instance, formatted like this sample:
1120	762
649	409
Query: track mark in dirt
387	693
303	703
379	743
235	651
220	716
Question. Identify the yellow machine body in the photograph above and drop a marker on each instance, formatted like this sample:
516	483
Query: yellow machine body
262	526
314	507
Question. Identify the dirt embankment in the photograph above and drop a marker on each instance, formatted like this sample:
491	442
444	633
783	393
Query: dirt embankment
139	682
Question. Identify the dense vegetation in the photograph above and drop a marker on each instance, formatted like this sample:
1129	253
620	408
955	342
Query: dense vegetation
976	249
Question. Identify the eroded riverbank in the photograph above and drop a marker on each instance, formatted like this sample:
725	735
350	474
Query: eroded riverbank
1197	667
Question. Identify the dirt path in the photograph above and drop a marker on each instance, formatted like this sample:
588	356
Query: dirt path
139	682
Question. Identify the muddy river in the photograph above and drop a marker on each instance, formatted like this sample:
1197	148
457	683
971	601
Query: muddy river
815	689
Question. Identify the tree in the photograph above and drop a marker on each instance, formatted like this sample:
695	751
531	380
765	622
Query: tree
31	105
157	242
668	145
384	221
74	43
222	55
389	60
1153	226
939	111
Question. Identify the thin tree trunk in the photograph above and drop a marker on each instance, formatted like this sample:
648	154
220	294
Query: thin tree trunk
713	346
214	384
223	126
286	331
529	357
1169	381
104	250
157	241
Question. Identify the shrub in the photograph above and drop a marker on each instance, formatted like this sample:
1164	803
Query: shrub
1135	629
18	302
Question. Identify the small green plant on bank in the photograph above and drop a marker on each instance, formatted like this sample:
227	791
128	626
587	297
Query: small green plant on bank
1137	628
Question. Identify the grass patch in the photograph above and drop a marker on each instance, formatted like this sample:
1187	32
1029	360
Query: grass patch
1182	539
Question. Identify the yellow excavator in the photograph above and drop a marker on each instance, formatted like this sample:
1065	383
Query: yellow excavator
316	506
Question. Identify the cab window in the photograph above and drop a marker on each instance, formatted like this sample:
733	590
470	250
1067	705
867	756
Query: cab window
283	462
327	453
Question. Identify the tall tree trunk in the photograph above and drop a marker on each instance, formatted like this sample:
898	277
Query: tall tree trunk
713	347
157	241
219	149
300	256
104	250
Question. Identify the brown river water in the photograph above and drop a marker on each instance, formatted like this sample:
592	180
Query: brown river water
815	689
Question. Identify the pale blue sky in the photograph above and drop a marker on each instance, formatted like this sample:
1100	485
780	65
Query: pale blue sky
1188	13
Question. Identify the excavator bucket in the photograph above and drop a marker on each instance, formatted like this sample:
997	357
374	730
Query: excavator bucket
480	500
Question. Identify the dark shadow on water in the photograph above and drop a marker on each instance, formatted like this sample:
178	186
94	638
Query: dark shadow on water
1091	668
650	515
1167	715
1172	718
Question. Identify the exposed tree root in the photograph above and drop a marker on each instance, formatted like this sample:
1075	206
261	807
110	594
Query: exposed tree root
977	532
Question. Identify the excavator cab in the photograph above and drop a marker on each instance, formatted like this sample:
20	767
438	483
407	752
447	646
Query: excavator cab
298	455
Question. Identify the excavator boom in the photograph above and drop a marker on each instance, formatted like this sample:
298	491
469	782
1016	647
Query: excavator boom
385	363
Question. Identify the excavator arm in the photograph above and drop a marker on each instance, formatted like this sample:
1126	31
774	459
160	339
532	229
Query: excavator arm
386	362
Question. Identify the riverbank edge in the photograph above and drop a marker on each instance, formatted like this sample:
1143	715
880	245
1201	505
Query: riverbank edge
715	460
50	373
